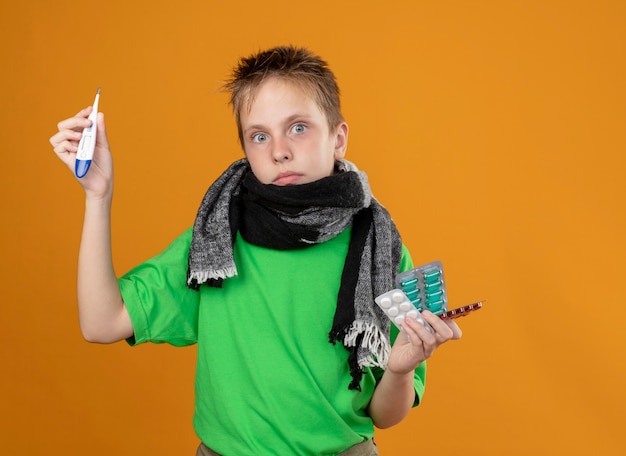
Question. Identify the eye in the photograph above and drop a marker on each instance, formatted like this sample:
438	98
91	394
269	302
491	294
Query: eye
259	138
298	128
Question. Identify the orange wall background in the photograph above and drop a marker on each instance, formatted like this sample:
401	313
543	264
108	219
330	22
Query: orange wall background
494	131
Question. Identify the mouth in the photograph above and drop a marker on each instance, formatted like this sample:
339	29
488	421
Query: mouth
287	178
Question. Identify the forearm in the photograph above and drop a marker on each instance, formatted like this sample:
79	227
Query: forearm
392	400
103	317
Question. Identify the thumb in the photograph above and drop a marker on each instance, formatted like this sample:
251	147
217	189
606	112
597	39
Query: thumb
101	133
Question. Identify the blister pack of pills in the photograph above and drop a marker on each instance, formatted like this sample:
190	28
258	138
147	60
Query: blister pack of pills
419	289
425	287
397	307
461	311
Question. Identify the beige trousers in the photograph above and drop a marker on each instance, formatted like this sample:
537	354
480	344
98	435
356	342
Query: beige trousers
367	448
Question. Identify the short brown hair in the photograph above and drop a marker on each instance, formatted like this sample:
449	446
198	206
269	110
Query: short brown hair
294	64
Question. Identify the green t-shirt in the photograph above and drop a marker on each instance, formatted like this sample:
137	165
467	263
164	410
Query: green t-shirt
268	381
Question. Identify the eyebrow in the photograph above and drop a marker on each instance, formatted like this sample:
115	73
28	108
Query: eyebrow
288	120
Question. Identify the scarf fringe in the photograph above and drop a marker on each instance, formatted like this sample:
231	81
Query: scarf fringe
219	274
375	344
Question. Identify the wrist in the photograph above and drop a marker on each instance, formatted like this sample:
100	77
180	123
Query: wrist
98	199
399	378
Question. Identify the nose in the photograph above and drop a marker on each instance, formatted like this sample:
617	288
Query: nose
281	150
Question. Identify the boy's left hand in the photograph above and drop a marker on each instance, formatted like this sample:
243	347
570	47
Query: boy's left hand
415	343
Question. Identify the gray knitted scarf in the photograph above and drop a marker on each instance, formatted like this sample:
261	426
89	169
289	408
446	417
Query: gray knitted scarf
292	217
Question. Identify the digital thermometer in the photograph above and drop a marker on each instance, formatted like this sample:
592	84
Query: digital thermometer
87	143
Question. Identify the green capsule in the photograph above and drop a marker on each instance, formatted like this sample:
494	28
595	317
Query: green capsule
433	287
413	294
436	307
434	297
431	275
416	301
412	281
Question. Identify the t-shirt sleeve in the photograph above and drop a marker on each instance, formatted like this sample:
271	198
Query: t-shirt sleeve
419	377
162	308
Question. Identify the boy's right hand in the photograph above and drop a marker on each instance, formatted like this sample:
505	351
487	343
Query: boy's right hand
98	182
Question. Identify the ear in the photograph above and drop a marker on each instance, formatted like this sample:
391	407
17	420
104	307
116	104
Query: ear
341	140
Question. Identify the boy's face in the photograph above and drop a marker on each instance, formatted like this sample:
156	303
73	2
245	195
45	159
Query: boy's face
286	136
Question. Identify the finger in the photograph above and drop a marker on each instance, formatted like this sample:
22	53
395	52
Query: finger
414	340
74	123
65	140
84	112
65	147
422	339
418	331
79	120
442	330
456	330
64	135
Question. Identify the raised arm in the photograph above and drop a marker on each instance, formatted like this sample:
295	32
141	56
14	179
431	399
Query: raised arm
103	316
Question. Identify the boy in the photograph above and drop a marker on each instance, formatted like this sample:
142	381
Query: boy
275	281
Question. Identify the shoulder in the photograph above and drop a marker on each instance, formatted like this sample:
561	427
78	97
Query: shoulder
406	262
